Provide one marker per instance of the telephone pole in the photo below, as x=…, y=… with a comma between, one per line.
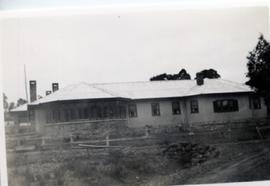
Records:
x=25, y=84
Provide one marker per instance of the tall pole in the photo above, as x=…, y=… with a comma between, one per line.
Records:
x=25, y=84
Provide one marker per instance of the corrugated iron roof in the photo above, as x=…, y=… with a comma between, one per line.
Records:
x=20, y=108
x=143, y=90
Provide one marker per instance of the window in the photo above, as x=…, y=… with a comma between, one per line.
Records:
x=111, y=111
x=105, y=112
x=31, y=115
x=155, y=109
x=85, y=113
x=132, y=110
x=225, y=105
x=254, y=102
x=67, y=115
x=122, y=109
x=49, y=116
x=81, y=113
x=194, y=106
x=176, y=107
x=56, y=115
x=72, y=114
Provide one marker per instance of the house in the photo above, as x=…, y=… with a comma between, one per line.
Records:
x=20, y=115
x=186, y=103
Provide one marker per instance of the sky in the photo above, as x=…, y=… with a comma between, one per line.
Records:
x=29, y=4
x=122, y=44
x=33, y=4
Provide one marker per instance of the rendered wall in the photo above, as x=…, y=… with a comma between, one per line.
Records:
x=20, y=117
x=144, y=117
x=144, y=114
x=207, y=115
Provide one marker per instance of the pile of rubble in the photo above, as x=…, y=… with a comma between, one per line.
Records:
x=190, y=154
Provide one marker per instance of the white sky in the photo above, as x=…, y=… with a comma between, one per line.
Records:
x=127, y=44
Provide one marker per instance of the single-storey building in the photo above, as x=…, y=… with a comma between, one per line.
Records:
x=20, y=115
x=185, y=103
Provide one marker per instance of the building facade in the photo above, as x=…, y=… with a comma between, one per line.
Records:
x=20, y=115
x=181, y=103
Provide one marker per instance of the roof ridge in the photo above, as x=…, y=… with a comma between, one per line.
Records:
x=105, y=90
x=228, y=82
x=128, y=82
x=143, y=89
x=234, y=84
x=22, y=107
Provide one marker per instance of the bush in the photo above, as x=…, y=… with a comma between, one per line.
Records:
x=188, y=154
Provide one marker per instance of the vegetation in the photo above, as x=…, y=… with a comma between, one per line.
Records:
x=20, y=102
x=259, y=70
x=208, y=73
x=11, y=105
x=182, y=75
x=5, y=102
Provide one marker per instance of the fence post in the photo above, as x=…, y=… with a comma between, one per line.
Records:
x=18, y=142
x=147, y=130
x=42, y=140
x=71, y=138
x=107, y=141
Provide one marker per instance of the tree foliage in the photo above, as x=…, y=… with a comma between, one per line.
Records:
x=5, y=102
x=20, y=102
x=182, y=75
x=11, y=106
x=259, y=69
x=208, y=73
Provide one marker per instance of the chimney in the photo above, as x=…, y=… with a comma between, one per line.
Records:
x=33, y=90
x=199, y=79
x=48, y=92
x=55, y=87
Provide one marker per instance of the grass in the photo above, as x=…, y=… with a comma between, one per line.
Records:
x=141, y=165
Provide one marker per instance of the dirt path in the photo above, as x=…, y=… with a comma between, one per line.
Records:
x=251, y=168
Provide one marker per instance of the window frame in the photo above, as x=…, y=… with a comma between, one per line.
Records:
x=67, y=115
x=86, y=114
x=135, y=111
x=175, y=109
x=219, y=107
x=155, y=106
x=49, y=116
x=31, y=115
x=56, y=116
x=194, y=108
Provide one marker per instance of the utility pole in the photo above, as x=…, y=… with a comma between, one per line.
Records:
x=25, y=84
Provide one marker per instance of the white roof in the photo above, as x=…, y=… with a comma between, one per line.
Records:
x=20, y=108
x=143, y=90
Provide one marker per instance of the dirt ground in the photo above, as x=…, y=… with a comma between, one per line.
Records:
x=239, y=162
x=145, y=165
x=253, y=166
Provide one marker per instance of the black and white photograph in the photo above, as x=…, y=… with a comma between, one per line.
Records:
x=119, y=93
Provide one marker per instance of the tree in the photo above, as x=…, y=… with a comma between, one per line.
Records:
x=208, y=73
x=180, y=76
x=183, y=74
x=259, y=70
x=159, y=77
x=5, y=102
x=20, y=102
x=11, y=106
